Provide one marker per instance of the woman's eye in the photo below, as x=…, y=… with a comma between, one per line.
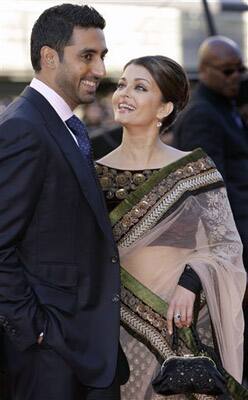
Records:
x=141, y=88
x=120, y=85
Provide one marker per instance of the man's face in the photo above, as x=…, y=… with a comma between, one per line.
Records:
x=223, y=74
x=78, y=74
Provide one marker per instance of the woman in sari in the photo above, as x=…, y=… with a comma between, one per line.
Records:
x=180, y=252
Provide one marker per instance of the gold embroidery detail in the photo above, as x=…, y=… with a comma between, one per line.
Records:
x=144, y=311
x=121, y=194
x=122, y=179
x=116, y=183
x=106, y=182
x=138, y=178
x=148, y=332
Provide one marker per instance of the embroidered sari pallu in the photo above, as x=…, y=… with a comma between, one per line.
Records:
x=179, y=216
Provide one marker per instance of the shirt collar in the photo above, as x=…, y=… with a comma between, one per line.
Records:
x=56, y=101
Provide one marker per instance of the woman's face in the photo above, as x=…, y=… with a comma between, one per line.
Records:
x=137, y=100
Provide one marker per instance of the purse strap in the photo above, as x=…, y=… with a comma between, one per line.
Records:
x=175, y=339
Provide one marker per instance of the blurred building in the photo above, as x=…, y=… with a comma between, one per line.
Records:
x=171, y=27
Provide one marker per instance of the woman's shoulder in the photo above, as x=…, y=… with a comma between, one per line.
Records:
x=174, y=155
x=109, y=159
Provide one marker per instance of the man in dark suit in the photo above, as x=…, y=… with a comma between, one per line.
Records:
x=59, y=268
x=211, y=121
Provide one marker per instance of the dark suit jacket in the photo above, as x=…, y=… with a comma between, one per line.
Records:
x=208, y=122
x=59, y=268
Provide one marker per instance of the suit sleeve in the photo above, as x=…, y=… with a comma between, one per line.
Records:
x=22, y=161
x=197, y=127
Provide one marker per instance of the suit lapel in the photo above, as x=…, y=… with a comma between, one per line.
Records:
x=78, y=163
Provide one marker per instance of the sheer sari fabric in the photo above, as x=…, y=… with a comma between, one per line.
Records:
x=202, y=233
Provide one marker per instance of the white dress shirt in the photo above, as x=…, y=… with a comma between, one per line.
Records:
x=57, y=102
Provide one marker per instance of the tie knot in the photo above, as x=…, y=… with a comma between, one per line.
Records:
x=76, y=125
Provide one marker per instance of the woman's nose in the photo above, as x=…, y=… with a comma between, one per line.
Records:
x=126, y=91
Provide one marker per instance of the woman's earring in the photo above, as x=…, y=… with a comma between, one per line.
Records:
x=159, y=124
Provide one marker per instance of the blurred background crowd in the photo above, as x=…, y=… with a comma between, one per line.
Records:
x=174, y=28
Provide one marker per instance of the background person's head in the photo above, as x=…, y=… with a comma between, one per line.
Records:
x=167, y=85
x=221, y=65
x=67, y=51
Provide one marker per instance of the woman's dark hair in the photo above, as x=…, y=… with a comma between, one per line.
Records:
x=171, y=80
x=55, y=25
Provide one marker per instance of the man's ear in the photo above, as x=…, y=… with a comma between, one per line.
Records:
x=165, y=110
x=48, y=57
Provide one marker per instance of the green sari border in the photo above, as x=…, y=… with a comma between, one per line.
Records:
x=155, y=302
x=133, y=198
x=143, y=293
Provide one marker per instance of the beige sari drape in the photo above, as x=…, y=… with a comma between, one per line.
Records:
x=181, y=215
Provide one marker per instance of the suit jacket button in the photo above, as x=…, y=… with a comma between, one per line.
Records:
x=116, y=298
x=114, y=259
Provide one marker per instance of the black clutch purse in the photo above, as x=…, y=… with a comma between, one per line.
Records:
x=190, y=374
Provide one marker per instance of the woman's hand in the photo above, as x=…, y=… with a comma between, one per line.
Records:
x=180, y=308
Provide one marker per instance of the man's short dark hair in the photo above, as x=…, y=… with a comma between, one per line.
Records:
x=55, y=25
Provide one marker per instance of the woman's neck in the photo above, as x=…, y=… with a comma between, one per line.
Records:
x=141, y=151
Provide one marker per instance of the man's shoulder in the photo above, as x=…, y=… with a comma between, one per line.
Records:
x=21, y=119
x=200, y=101
x=196, y=112
x=20, y=112
x=200, y=108
x=200, y=116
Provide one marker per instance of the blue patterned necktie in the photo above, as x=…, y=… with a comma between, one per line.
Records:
x=78, y=128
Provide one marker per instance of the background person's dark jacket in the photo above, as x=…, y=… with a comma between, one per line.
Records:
x=209, y=122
